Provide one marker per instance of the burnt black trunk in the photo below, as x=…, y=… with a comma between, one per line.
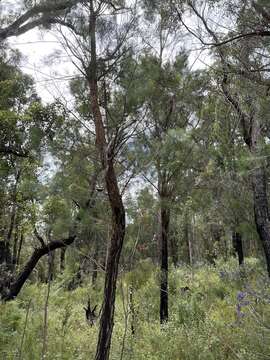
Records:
x=15, y=249
x=164, y=230
x=16, y=285
x=238, y=246
x=132, y=311
x=5, y=254
x=19, y=249
x=261, y=211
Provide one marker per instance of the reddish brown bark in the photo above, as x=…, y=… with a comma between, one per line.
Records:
x=116, y=204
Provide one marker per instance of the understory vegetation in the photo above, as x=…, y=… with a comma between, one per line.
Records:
x=224, y=314
x=134, y=179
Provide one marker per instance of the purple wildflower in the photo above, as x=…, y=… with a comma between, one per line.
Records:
x=241, y=295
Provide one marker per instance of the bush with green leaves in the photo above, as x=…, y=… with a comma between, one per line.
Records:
x=224, y=314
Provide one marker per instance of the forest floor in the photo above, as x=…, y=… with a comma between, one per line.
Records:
x=224, y=314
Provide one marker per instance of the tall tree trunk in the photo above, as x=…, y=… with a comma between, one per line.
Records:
x=52, y=265
x=15, y=248
x=251, y=130
x=12, y=220
x=20, y=248
x=116, y=204
x=261, y=211
x=164, y=231
x=116, y=243
x=188, y=240
x=238, y=246
x=259, y=186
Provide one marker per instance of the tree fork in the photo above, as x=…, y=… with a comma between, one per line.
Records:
x=116, y=204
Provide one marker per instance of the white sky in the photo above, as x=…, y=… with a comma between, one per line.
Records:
x=36, y=46
x=52, y=81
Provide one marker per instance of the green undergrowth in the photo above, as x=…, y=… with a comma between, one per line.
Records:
x=224, y=314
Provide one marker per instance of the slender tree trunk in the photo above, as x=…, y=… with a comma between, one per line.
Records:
x=9, y=261
x=95, y=265
x=238, y=246
x=164, y=231
x=9, y=236
x=94, y=275
x=251, y=130
x=132, y=310
x=62, y=260
x=116, y=204
x=188, y=241
x=46, y=308
x=20, y=249
x=52, y=265
x=15, y=248
x=259, y=185
x=174, y=250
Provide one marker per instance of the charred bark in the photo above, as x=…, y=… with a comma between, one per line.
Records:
x=16, y=286
x=261, y=211
x=164, y=231
x=20, y=249
x=251, y=129
x=5, y=254
x=132, y=311
x=251, y=132
x=238, y=246
x=62, y=259
x=15, y=248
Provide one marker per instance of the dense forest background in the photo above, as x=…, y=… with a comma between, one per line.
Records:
x=134, y=219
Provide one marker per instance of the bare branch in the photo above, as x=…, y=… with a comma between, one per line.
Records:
x=28, y=20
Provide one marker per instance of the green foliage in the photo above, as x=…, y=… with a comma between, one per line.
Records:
x=203, y=320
